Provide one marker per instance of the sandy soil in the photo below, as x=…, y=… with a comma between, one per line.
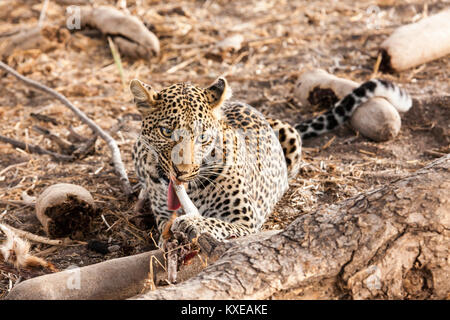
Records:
x=281, y=39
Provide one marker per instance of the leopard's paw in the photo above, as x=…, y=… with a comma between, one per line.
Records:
x=188, y=225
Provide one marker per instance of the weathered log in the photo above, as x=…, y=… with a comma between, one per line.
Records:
x=122, y=277
x=417, y=43
x=113, y=279
x=392, y=242
x=376, y=119
x=128, y=32
x=389, y=243
x=64, y=209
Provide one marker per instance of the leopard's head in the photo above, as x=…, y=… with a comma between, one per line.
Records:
x=181, y=124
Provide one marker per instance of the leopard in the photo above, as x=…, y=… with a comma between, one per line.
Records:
x=235, y=163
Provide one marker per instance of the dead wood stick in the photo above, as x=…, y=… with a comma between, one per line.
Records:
x=76, y=137
x=122, y=277
x=389, y=243
x=377, y=118
x=63, y=145
x=44, y=118
x=29, y=200
x=42, y=14
x=35, y=238
x=16, y=203
x=36, y=149
x=113, y=279
x=115, y=151
x=433, y=153
x=417, y=43
x=86, y=148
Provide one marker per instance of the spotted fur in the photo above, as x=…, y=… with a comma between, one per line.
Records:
x=236, y=162
x=235, y=178
x=343, y=109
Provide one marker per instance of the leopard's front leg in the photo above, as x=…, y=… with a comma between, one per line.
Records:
x=193, y=226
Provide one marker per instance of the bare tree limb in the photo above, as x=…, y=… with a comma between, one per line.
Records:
x=36, y=149
x=125, y=277
x=64, y=146
x=389, y=243
x=115, y=151
x=35, y=238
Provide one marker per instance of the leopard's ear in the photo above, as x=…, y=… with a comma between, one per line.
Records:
x=144, y=96
x=218, y=92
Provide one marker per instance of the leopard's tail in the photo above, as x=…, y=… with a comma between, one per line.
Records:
x=344, y=108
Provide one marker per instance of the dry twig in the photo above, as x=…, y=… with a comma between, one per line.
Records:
x=35, y=149
x=63, y=145
x=35, y=238
x=115, y=151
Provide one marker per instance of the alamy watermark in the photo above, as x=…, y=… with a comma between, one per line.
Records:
x=73, y=281
x=228, y=147
x=73, y=21
x=373, y=21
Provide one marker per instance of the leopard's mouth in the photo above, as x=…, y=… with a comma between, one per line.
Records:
x=184, y=177
x=173, y=203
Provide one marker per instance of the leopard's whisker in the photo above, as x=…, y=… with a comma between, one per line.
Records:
x=214, y=183
x=222, y=175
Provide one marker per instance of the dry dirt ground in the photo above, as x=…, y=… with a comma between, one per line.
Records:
x=281, y=39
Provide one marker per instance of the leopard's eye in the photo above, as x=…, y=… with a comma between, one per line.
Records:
x=203, y=138
x=166, y=132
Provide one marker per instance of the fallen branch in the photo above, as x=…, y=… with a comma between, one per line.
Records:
x=36, y=149
x=86, y=148
x=44, y=118
x=76, y=137
x=64, y=146
x=35, y=238
x=123, y=277
x=417, y=43
x=115, y=151
x=376, y=119
x=389, y=243
x=42, y=14
x=392, y=242
x=64, y=209
x=71, y=151
x=128, y=32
